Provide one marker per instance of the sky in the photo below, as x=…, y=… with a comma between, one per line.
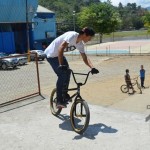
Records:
x=143, y=3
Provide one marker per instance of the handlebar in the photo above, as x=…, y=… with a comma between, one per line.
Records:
x=136, y=78
x=80, y=84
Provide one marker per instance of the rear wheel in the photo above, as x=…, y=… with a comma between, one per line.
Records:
x=139, y=87
x=14, y=67
x=32, y=58
x=79, y=116
x=53, y=102
x=4, y=66
x=124, y=88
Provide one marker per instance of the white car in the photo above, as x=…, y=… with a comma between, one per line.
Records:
x=6, y=63
x=22, y=59
x=40, y=54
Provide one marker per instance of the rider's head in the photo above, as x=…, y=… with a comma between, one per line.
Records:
x=127, y=70
x=87, y=34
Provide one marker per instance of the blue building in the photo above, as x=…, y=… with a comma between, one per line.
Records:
x=25, y=25
x=44, y=27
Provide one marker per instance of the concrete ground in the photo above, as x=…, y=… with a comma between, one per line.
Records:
x=123, y=125
x=29, y=125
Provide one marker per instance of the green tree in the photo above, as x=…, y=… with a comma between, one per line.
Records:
x=102, y=17
x=146, y=20
x=131, y=16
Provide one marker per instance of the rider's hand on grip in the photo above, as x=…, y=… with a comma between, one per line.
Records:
x=94, y=71
x=63, y=67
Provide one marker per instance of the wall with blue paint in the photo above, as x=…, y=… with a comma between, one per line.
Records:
x=7, y=43
x=15, y=10
x=44, y=28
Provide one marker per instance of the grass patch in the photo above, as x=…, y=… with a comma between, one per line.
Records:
x=139, y=34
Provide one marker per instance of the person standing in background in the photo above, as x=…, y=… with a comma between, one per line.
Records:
x=142, y=76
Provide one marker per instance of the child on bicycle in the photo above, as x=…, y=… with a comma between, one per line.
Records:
x=68, y=41
x=128, y=81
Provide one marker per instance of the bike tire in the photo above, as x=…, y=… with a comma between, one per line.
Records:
x=53, y=101
x=139, y=87
x=124, y=88
x=78, y=128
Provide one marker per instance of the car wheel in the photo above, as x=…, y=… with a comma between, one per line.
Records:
x=14, y=67
x=4, y=66
x=32, y=58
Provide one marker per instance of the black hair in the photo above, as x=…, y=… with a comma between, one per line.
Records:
x=127, y=70
x=88, y=31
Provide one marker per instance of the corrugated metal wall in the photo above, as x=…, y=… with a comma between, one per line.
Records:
x=15, y=10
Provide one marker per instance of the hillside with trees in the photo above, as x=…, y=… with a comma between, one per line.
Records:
x=78, y=13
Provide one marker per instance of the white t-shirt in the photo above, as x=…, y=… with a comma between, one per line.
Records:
x=71, y=38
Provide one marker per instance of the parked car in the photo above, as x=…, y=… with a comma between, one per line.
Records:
x=22, y=60
x=40, y=55
x=7, y=62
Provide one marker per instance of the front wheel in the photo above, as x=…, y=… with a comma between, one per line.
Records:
x=79, y=116
x=124, y=88
x=53, y=102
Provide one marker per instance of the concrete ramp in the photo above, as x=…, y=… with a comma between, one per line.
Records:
x=33, y=127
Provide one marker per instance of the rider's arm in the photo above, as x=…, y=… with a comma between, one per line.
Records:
x=86, y=60
x=61, y=51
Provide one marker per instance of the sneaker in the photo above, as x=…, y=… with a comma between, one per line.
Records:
x=61, y=105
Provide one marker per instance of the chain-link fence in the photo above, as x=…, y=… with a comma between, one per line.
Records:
x=19, y=78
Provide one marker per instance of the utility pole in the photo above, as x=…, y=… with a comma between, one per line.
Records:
x=27, y=28
x=74, y=13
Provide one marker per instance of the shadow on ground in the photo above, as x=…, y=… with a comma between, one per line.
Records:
x=92, y=131
x=21, y=103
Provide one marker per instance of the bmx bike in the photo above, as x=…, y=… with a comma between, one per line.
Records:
x=79, y=113
x=125, y=89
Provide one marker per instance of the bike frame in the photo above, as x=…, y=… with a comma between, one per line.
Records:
x=79, y=84
x=135, y=81
x=79, y=107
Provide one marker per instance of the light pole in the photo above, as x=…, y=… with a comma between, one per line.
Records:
x=74, y=13
x=27, y=28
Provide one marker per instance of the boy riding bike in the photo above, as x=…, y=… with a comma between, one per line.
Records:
x=55, y=56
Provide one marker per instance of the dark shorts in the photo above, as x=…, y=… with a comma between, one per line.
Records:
x=129, y=84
